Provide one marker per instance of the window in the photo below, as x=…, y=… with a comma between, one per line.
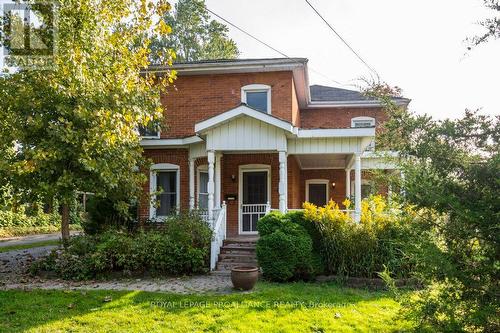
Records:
x=317, y=191
x=150, y=131
x=164, y=184
x=203, y=188
x=363, y=122
x=366, y=188
x=257, y=96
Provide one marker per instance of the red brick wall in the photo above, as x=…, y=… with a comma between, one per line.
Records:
x=196, y=98
x=174, y=156
x=294, y=196
x=230, y=166
x=338, y=117
x=336, y=176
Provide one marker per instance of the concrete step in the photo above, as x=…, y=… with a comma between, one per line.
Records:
x=238, y=247
x=240, y=242
x=237, y=257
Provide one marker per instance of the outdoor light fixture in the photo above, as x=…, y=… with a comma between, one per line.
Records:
x=333, y=185
x=233, y=178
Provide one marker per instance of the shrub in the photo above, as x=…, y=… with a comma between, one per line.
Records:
x=181, y=247
x=361, y=249
x=103, y=214
x=284, y=249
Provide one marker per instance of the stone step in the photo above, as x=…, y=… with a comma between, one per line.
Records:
x=238, y=247
x=244, y=260
x=237, y=257
x=239, y=242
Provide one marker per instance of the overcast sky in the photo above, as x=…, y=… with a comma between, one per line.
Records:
x=416, y=45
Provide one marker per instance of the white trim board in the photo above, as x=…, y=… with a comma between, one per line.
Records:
x=152, y=186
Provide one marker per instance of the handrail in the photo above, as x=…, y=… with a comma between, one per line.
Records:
x=219, y=234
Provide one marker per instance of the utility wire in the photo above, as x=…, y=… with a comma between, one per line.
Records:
x=342, y=39
x=269, y=46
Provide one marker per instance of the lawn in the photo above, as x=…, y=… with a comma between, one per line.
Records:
x=298, y=307
x=28, y=246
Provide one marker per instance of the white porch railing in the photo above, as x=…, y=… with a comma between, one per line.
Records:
x=219, y=234
x=254, y=210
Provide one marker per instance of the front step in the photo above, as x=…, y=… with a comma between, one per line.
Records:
x=236, y=252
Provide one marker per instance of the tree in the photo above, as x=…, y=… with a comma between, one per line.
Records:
x=194, y=36
x=490, y=25
x=452, y=178
x=74, y=127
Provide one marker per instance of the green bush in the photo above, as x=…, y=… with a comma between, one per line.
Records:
x=181, y=247
x=102, y=215
x=284, y=249
x=362, y=249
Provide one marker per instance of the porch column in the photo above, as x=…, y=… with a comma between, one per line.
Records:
x=217, y=179
x=347, y=183
x=357, y=187
x=211, y=160
x=191, y=183
x=282, y=188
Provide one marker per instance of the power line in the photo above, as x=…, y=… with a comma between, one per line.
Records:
x=269, y=46
x=342, y=39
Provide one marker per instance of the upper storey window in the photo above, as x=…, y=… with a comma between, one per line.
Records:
x=363, y=122
x=257, y=96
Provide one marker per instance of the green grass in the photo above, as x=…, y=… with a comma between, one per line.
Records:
x=28, y=246
x=298, y=307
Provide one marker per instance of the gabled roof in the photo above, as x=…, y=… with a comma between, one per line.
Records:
x=242, y=110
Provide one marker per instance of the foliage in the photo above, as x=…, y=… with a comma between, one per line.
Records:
x=293, y=307
x=181, y=247
x=73, y=127
x=451, y=170
x=284, y=249
x=361, y=250
x=28, y=246
x=102, y=214
x=490, y=25
x=194, y=36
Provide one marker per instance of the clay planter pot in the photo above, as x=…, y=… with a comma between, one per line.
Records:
x=244, y=277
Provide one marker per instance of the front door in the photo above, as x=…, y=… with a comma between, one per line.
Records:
x=254, y=198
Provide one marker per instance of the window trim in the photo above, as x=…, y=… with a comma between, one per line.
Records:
x=199, y=169
x=257, y=88
x=364, y=181
x=157, y=136
x=364, y=119
x=318, y=181
x=152, y=187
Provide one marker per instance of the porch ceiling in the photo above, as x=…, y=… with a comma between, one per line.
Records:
x=322, y=161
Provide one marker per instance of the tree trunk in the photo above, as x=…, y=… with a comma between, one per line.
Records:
x=65, y=222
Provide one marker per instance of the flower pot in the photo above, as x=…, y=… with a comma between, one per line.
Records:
x=244, y=277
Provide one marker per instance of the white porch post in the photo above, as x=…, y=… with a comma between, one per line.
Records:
x=357, y=187
x=282, y=190
x=191, y=183
x=211, y=160
x=347, y=183
x=218, y=157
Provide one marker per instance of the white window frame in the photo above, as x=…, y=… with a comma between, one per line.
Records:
x=152, y=187
x=318, y=181
x=199, y=169
x=363, y=182
x=250, y=168
x=362, y=119
x=257, y=88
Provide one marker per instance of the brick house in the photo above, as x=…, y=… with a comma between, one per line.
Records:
x=249, y=135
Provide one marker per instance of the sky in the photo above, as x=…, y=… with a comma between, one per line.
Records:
x=415, y=45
